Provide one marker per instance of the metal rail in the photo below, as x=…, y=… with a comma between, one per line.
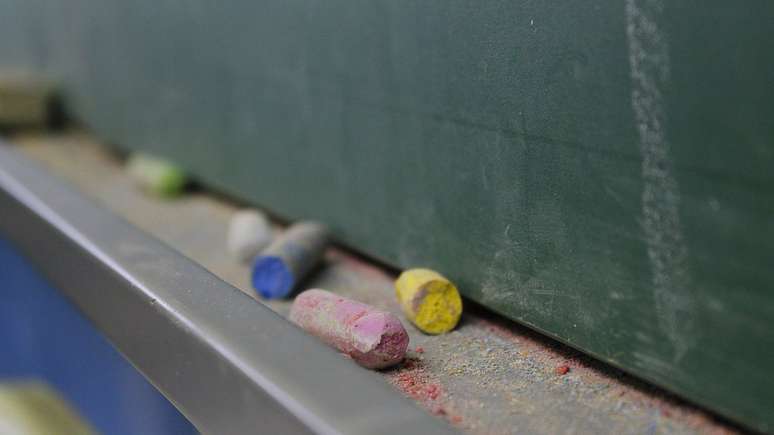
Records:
x=231, y=365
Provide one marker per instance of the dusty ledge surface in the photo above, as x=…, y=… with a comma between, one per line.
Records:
x=489, y=376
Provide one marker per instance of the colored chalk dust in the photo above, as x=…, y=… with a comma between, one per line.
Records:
x=271, y=278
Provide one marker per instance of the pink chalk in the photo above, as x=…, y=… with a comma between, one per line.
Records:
x=373, y=338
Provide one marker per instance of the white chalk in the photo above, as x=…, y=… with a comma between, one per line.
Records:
x=248, y=234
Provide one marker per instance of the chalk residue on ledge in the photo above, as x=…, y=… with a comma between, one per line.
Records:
x=650, y=71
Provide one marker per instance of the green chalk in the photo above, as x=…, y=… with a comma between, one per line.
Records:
x=157, y=176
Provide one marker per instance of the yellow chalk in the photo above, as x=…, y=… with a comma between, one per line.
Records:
x=34, y=408
x=429, y=301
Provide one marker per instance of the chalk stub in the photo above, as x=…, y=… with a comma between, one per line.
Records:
x=157, y=176
x=35, y=408
x=288, y=259
x=249, y=232
x=26, y=100
x=373, y=338
x=429, y=301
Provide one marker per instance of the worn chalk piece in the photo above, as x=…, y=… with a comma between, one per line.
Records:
x=35, y=408
x=373, y=338
x=26, y=100
x=288, y=259
x=249, y=232
x=157, y=176
x=429, y=301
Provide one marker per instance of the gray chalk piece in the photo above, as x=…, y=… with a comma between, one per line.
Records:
x=291, y=256
x=25, y=100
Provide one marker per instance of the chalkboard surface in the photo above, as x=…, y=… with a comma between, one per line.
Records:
x=601, y=171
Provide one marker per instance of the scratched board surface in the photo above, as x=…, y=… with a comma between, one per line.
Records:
x=600, y=171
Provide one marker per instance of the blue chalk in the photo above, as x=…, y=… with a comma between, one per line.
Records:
x=289, y=259
x=271, y=277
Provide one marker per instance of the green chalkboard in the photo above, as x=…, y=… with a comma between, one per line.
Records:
x=601, y=171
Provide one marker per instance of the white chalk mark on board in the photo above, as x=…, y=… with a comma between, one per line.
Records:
x=649, y=65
